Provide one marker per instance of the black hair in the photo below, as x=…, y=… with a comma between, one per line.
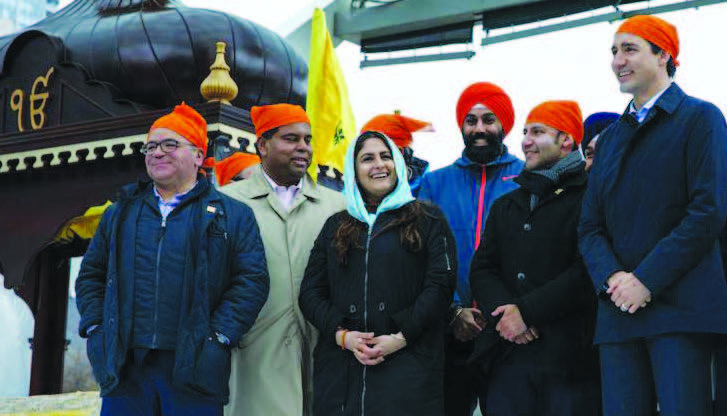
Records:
x=671, y=69
x=265, y=136
x=269, y=134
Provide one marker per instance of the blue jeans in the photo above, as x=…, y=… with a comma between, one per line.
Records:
x=146, y=389
x=673, y=369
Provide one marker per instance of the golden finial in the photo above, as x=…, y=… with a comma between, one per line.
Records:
x=219, y=86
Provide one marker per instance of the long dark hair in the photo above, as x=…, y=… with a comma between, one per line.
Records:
x=407, y=218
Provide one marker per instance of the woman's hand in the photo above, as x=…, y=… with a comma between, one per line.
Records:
x=388, y=344
x=358, y=343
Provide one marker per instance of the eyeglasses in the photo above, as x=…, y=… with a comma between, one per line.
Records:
x=167, y=146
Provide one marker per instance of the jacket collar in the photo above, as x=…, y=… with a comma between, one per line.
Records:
x=668, y=102
x=545, y=188
x=260, y=187
x=505, y=159
x=145, y=189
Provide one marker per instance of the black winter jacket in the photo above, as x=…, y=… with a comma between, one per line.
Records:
x=384, y=289
x=531, y=259
x=224, y=286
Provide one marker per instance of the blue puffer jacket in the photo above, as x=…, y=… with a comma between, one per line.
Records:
x=456, y=190
x=224, y=285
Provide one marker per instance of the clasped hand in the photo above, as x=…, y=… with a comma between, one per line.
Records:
x=627, y=292
x=368, y=349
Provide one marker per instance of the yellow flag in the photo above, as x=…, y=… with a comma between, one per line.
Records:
x=331, y=117
x=83, y=226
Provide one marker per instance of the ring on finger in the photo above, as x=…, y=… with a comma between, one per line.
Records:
x=624, y=308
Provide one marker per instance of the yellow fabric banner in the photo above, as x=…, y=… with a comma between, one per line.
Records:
x=83, y=226
x=328, y=108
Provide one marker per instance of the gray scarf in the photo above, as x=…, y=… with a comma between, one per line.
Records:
x=573, y=161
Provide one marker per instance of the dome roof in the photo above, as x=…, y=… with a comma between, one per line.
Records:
x=158, y=52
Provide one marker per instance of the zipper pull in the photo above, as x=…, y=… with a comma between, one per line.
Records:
x=164, y=222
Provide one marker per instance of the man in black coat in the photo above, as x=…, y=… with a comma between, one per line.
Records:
x=529, y=277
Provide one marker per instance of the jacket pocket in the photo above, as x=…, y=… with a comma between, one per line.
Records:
x=97, y=358
x=212, y=368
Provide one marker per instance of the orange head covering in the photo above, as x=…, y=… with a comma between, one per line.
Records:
x=397, y=127
x=492, y=97
x=268, y=117
x=227, y=168
x=657, y=31
x=561, y=115
x=186, y=122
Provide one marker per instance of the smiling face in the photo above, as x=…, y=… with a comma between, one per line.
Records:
x=639, y=71
x=287, y=154
x=543, y=146
x=375, y=170
x=176, y=170
x=483, y=135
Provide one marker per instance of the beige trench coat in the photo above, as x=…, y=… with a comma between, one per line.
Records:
x=272, y=371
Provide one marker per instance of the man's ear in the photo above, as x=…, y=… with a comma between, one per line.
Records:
x=199, y=157
x=566, y=145
x=663, y=58
x=261, y=147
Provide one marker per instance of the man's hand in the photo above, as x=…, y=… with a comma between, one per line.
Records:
x=627, y=292
x=511, y=324
x=468, y=324
x=526, y=337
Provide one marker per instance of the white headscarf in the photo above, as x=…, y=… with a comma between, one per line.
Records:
x=400, y=196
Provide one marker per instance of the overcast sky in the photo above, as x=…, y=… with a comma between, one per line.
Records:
x=572, y=64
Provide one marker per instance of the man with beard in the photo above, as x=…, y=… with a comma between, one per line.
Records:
x=272, y=371
x=464, y=191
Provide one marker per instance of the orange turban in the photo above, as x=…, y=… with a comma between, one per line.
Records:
x=657, y=31
x=268, y=117
x=492, y=97
x=227, y=168
x=186, y=122
x=561, y=115
x=397, y=127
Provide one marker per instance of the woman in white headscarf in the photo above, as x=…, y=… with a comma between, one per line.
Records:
x=378, y=285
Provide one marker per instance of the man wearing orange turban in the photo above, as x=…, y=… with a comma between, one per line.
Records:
x=235, y=167
x=399, y=129
x=162, y=296
x=272, y=372
x=654, y=208
x=539, y=295
x=563, y=117
x=465, y=191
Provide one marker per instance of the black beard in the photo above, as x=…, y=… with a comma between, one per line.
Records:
x=484, y=154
